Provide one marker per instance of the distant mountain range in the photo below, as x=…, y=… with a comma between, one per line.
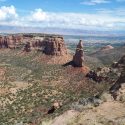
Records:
x=63, y=31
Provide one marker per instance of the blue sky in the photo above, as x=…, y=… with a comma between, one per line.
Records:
x=77, y=14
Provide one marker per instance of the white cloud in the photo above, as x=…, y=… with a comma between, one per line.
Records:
x=38, y=15
x=7, y=13
x=102, y=19
x=79, y=20
x=94, y=2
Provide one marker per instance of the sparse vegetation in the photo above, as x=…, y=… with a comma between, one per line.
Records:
x=32, y=87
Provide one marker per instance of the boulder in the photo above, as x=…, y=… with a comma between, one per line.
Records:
x=78, y=58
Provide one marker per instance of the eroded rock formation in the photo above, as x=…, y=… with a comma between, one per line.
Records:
x=78, y=58
x=9, y=41
x=49, y=44
x=54, y=46
x=27, y=47
x=3, y=42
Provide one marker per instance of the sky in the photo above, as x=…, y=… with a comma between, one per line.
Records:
x=67, y=14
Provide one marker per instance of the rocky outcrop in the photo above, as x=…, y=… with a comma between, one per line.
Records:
x=78, y=58
x=9, y=41
x=121, y=62
x=87, y=102
x=27, y=47
x=121, y=79
x=54, y=46
x=118, y=83
x=3, y=42
x=49, y=44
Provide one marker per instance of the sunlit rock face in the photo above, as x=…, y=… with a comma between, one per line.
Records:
x=48, y=44
x=51, y=45
x=78, y=58
x=55, y=46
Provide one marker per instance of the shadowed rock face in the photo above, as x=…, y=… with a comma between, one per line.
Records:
x=121, y=62
x=3, y=42
x=27, y=47
x=121, y=79
x=78, y=58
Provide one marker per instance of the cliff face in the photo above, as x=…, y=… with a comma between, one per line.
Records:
x=78, y=58
x=3, y=42
x=54, y=46
x=10, y=41
x=50, y=45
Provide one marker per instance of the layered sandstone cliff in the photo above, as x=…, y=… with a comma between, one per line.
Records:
x=54, y=46
x=48, y=44
x=10, y=41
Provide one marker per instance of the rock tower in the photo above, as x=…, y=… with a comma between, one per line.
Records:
x=78, y=58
